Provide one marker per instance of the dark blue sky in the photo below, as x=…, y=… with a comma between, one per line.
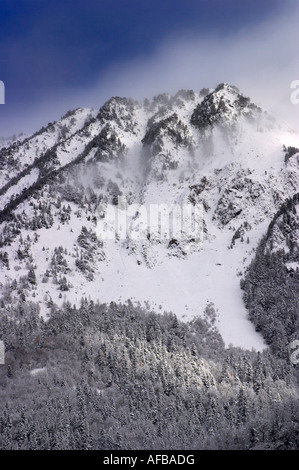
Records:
x=49, y=48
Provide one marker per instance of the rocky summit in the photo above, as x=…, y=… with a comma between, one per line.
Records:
x=76, y=200
x=149, y=288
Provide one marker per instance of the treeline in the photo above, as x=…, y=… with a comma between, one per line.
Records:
x=271, y=284
x=122, y=377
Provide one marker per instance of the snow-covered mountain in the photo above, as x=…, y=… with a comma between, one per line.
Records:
x=214, y=152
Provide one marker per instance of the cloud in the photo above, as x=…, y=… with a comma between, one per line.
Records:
x=262, y=61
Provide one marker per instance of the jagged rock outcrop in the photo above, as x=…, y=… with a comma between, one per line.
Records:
x=214, y=153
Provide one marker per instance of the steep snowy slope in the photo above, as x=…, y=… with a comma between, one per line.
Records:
x=68, y=193
x=270, y=285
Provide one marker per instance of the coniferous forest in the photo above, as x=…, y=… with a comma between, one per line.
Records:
x=110, y=376
x=122, y=377
x=149, y=230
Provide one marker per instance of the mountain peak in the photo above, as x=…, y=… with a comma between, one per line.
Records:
x=224, y=106
x=170, y=151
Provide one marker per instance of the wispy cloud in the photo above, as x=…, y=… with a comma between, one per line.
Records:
x=262, y=61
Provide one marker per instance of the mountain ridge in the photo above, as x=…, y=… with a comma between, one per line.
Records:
x=214, y=150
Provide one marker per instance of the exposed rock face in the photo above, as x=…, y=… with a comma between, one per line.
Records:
x=223, y=105
x=214, y=150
